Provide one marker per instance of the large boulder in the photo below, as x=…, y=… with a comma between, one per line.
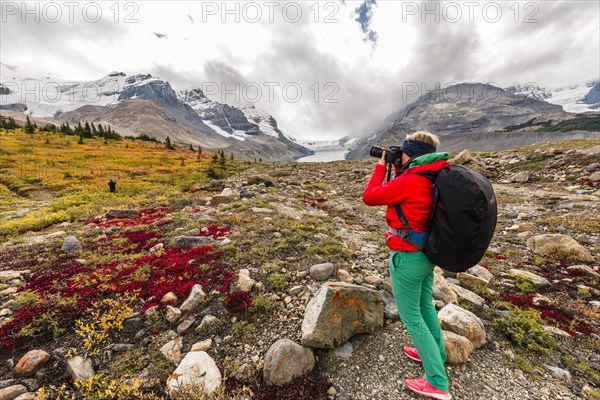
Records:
x=339, y=311
x=286, y=361
x=458, y=348
x=31, y=362
x=197, y=369
x=442, y=290
x=557, y=244
x=462, y=322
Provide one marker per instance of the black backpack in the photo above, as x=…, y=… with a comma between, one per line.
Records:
x=462, y=223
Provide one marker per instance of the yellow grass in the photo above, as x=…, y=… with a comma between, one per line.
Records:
x=46, y=183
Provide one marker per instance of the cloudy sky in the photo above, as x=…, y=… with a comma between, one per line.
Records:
x=323, y=69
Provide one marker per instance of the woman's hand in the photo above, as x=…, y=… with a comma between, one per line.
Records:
x=382, y=159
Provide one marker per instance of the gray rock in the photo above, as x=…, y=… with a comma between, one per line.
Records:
x=321, y=272
x=172, y=314
x=80, y=368
x=197, y=369
x=27, y=396
x=123, y=214
x=521, y=177
x=481, y=272
x=172, y=350
x=470, y=281
x=565, y=245
x=186, y=242
x=467, y=295
x=296, y=290
x=12, y=392
x=202, y=346
x=186, y=324
x=559, y=373
x=245, y=282
x=585, y=269
x=462, y=322
x=390, y=310
x=339, y=311
x=71, y=245
x=207, y=322
x=220, y=199
x=132, y=325
x=122, y=347
x=286, y=361
x=442, y=290
x=462, y=158
x=258, y=179
x=530, y=277
x=246, y=194
x=194, y=299
x=344, y=351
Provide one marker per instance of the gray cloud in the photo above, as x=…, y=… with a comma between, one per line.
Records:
x=441, y=52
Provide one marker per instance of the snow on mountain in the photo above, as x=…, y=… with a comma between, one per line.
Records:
x=230, y=121
x=49, y=97
x=578, y=98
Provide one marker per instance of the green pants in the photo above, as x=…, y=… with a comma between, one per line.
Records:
x=412, y=284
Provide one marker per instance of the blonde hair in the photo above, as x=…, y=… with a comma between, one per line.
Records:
x=425, y=137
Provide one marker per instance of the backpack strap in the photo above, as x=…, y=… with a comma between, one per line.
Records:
x=415, y=239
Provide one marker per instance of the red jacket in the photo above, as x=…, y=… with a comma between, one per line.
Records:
x=412, y=191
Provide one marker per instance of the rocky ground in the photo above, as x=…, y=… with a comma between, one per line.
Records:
x=261, y=244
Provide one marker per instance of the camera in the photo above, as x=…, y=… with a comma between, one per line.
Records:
x=392, y=155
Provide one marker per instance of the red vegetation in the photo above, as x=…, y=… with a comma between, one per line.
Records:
x=238, y=302
x=66, y=288
x=214, y=231
x=314, y=202
x=313, y=386
x=148, y=217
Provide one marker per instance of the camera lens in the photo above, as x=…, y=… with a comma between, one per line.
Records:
x=376, y=151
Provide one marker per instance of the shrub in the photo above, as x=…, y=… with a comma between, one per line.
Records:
x=525, y=329
x=277, y=281
x=237, y=302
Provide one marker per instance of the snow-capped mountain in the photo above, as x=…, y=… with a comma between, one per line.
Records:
x=229, y=121
x=142, y=103
x=579, y=97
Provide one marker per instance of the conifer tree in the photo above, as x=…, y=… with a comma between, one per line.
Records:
x=199, y=153
x=168, y=143
x=80, y=139
x=28, y=126
x=191, y=147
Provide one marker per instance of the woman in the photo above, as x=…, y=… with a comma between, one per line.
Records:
x=411, y=271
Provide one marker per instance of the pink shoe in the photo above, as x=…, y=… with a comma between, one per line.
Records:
x=411, y=352
x=421, y=387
